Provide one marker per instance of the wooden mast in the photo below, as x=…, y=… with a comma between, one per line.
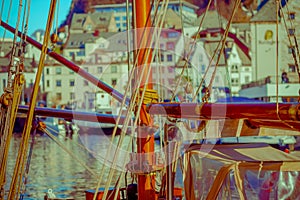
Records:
x=145, y=144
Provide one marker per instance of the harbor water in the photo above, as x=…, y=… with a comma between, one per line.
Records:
x=51, y=167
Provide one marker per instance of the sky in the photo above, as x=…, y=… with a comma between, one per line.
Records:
x=38, y=14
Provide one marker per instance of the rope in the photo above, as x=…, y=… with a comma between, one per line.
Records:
x=20, y=162
x=277, y=53
x=14, y=44
x=25, y=27
x=11, y=100
x=189, y=54
x=150, y=96
x=28, y=163
x=61, y=145
x=9, y=124
x=295, y=39
x=130, y=109
x=1, y=13
x=223, y=41
x=73, y=141
x=8, y=16
x=279, y=7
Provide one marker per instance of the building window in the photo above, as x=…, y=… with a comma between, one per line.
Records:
x=162, y=58
x=81, y=53
x=170, y=46
x=173, y=34
x=114, y=69
x=100, y=70
x=171, y=70
x=47, y=71
x=169, y=58
x=58, y=96
x=47, y=83
x=235, y=81
x=98, y=59
x=201, y=57
x=292, y=68
x=72, y=83
x=291, y=49
x=234, y=68
x=72, y=54
x=71, y=72
x=58, y=83
x=247, y=79
x=85, y=83
x=72, y=95
x=113, y=82
x=291, y=31
x=203, y=68
x=291, y=15
x=58, y=70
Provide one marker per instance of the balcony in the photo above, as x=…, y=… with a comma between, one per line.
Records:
x=266, y=89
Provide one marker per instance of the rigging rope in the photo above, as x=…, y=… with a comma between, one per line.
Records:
x=68, y=151
x=1, y=13
x=294, y=37
x=131, y=107
x=189, y=53
x=23, y=187
x=220, y=53
x=279, y=10
x=8, y=16
x=20, y=162
x=10, y=99
x=237, y=3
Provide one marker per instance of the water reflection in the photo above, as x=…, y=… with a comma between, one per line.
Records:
x=51, y=167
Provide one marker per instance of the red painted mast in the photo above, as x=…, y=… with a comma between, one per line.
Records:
x=145, y=144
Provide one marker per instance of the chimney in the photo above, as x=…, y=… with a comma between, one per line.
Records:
x=38, y=36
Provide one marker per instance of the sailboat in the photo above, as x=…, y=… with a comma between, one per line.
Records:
x=209, y=171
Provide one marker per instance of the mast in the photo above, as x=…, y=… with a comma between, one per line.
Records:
x=145, y=144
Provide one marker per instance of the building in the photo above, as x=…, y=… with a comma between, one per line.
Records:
x=264, y=44
x=29, y=74
x=29, y=67
x=269, y=65
x=93, y=23
x=58, y=84
x=234, y=64
x=187, y=9
x=74, y=49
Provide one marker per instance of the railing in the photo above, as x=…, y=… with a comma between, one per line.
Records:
x=293, y=78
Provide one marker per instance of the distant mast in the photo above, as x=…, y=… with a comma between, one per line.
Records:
x=142, y=10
